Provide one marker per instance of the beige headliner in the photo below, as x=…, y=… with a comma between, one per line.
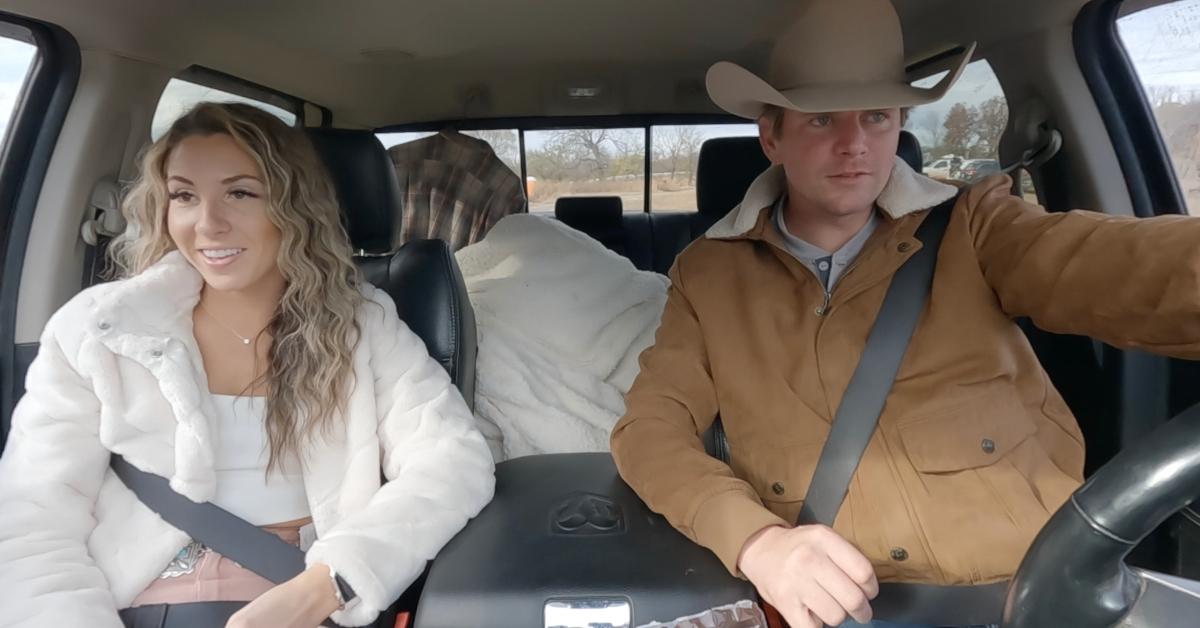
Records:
x=490, y=58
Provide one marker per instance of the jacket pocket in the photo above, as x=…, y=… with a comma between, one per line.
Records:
x=973, y=434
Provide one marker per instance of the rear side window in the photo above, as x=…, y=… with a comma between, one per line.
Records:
x=1163, y=43
x=586, y=162
x=181, y=95
x=960, y=134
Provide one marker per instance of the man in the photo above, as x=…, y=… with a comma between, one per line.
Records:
x=768, y=315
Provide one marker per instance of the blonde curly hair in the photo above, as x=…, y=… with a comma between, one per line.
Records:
x=309, y=373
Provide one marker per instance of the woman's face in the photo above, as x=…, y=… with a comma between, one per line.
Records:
x=217, y=214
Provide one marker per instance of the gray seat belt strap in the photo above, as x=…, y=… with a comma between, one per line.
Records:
x=855, y=422
x=863, y=401
x=235, y=538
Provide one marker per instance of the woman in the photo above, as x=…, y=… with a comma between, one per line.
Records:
x=241, y=358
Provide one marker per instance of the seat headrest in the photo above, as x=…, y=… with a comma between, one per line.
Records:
x=909, y=150
x=726, y=168
x=366, y=185
x=728, y=165
x=588, y=210
x=597, y=216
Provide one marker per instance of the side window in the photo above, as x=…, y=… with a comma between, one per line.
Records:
x=676, y=155
x=16, y=57
x=960, y=134
x=181, y=95
x=586, y=162
x=1163, y=43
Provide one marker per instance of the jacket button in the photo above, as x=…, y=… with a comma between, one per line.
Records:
x=156, y=353
x=104, y=325
x=899, y=554
x=988, y=446
x=819, y=311
x=904, y=247
x=777, y=488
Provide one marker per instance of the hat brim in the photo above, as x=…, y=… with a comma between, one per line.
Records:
x=742, y=93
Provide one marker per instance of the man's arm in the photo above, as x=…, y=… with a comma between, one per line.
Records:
x=1133, y=283
x=657, y=445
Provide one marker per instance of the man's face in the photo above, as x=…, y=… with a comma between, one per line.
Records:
x=836, y=163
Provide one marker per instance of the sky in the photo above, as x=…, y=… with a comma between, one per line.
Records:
x=15, y=59
x=1164, y=44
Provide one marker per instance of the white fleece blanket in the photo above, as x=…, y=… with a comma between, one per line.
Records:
x=561, y=323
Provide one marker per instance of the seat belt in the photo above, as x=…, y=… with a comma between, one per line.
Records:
x=855, y=422
x=235, y=538
x=865, y=395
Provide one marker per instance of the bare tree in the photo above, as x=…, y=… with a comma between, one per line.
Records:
x=676, y=145
x=587, y=147
x=629, y=152
x=990, y=123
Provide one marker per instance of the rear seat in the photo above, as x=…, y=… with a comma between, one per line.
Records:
x=421, y=276
x=727, y=166
x=603, y=218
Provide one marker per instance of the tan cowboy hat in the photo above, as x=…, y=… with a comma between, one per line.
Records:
x=838, y=55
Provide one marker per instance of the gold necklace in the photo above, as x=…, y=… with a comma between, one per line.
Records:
x=245, y=340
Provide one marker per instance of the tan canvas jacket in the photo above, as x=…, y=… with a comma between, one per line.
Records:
x=974, y=448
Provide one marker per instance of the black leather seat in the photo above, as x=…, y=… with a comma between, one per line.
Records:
x=726, y=168
x=909, y=150
x=597, y=216
x=604, y=218
x=366, y=185
x=421, y=276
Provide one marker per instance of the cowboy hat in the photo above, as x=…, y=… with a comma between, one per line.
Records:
x=838, y=55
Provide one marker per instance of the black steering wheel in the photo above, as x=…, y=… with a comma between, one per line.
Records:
x=1075, y=574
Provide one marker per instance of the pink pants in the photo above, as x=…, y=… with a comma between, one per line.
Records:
x=216, y=578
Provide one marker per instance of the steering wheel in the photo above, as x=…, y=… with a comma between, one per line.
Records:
x=1074, y=573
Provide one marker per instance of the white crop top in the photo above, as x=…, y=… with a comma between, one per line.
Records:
x=243, y=488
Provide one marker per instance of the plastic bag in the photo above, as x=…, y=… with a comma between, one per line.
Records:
x=744, y=614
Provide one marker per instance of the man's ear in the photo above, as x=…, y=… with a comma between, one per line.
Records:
x=766, y=137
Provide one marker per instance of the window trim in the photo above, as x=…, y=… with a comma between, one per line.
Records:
x=1127, y=115
x=36, y=122
x=936, y=63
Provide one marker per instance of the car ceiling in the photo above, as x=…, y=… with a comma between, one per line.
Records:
x=375, y=62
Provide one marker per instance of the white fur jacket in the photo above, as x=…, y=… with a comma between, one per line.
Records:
x=119, y=371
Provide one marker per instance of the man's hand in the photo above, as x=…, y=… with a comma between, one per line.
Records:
x=302, y=602
x=810, y=575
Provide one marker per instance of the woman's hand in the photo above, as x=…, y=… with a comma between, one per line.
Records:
x=302, y=602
